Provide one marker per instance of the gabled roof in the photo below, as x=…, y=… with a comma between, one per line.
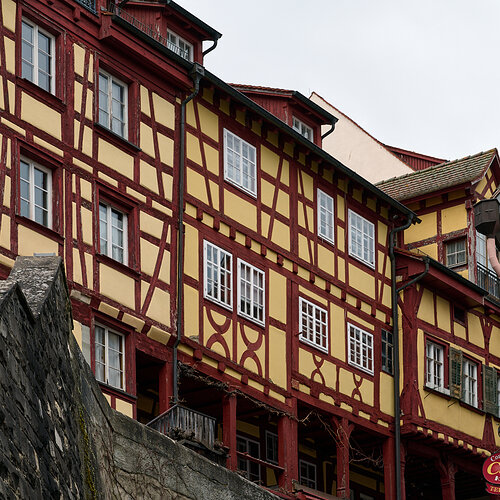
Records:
x=285, y=93
x=416, y=161
x=442, y=176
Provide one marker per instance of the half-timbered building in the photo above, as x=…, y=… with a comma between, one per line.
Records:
x=450, y=321
x=230, y=280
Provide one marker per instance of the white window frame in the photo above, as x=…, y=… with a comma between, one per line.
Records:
x=366, y=241
x=248, y=462
x=314, y=335
x=434, y=366
x=35, y=54
x=470, y=382
x=360, y=345
x=451, y=251
x=124, y=119
x=218, y=271
x=253, y=288
x=109, y=232
x=303, y=129
x=272, y=445
x=176, y=46
x=121, y=369
x=307, y=481
x=326, y=227
x=235, y=174
x=32, y=166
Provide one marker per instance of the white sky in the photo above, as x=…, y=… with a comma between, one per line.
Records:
x=417, y=74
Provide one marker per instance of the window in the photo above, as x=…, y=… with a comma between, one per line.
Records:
x=109, y=357
x=252, y=448
x=303, y=129
x=325, y=216
x=35, y=186
x=113, y=233
x=496, y=410
x=360, y=348
x=307, y=474
x=178, y=45
x=361, y=239
x=459, y=314
x=491, y=390
x=250, y=292
x=456, y=254
x=113, y=104
x=470, y=382
x=272, y=447
x=434, y=371
x=37, y=56
x=218, y=274
x=240, y=166
x=387, y=351
x=313, y=324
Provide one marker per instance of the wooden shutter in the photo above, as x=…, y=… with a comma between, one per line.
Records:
x=490, y=390
x=455, y=373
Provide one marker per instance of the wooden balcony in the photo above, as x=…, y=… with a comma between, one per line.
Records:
x=488, y=280
x=184, y=424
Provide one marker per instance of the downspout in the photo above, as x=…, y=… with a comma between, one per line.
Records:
x=197, y=72
x=395, y=340
x=205, y=52
x=332, y=128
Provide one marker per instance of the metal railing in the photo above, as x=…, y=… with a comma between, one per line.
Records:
x=88, y=4
x=180, y=52
x=184, y=423
x=151, y=31
x=488, y=280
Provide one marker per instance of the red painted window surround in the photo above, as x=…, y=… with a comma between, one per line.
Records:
x=58, y=97
x=129, y=351
x=127, y=205
x=52, y=163
x=133, y=106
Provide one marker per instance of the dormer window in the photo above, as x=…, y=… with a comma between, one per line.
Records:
x=303, y=129
x=179, y=46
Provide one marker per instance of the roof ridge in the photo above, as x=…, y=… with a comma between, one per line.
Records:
x=432, y=168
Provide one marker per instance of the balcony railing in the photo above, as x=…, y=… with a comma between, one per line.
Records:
x=180, y=52
x=183, y=423
x=488, y=280
x=88, y=4
x=151, y=31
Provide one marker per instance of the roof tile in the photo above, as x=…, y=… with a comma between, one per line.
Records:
x=444, y=175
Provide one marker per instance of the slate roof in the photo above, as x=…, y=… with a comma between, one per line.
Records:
x=444, y=175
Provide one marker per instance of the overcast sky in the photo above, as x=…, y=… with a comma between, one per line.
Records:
x=418, y=74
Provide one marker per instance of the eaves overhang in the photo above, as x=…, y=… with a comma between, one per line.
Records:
x=317, y=109
x=214, y=34
x=269, y=117
x=247, y=102
x=440, y=277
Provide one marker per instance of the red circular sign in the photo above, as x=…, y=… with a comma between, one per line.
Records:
x=491, y=469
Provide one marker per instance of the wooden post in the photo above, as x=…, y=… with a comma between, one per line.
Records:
x=344, y=429
x=166, y=388
x=403, y=454
x=389, y=469
x=229, y=429
x=447, y=470
x=288, y=452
